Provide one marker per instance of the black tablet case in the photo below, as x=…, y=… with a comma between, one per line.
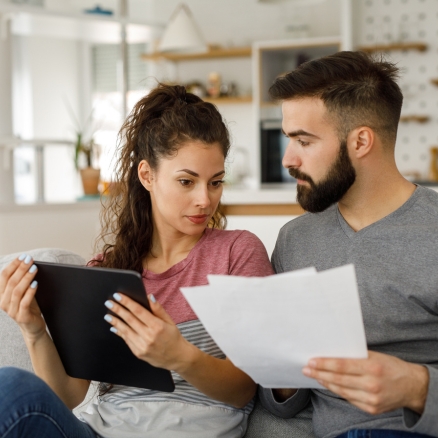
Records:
x=71, y=299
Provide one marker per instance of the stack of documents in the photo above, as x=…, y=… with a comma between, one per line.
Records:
x=271, y=326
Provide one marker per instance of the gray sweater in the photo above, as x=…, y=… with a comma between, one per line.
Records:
x=396, y=262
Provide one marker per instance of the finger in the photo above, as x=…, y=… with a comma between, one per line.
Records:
x=29, y=297
x=121, y=329
x=136, y=309
x=158, y=310
x=131, y=319
x=21, y=288
x=351, y=381
x=6, y=275
x=340, y=366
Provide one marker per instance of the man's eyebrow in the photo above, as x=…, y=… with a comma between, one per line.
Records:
x=299, y=132
x=190, y=172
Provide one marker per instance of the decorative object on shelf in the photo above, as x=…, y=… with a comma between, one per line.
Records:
x=433, y=168
x=99, y=11
x=182, y=34
x=214, y=85
x=421, y=47
x=414, y=118
x=434, y=81
x=196, y=88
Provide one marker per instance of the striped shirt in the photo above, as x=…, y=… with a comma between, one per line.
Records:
x=136, y=412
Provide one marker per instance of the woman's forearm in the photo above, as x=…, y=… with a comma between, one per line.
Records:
x=217, y=378
x=48, y=366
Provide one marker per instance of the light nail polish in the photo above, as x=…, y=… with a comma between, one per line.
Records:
x=34, y=284
x=117, y=297
x=109, y=304
x=32, y=269
x=108, y=318
x=22, y=257
x=113, y=329
x=27, y=259
x=152, y=298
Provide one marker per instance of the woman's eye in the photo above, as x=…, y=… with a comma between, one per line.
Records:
x=185, y=182
x=217, y=183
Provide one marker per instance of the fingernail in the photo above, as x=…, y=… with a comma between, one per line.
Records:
x=34, y=284
x=152, y=298
x=27, y=259
x=312, y=362
x=108, y=318
x=32, y=269
x=307, y=371
x=22, y=257
x=117, y=297
x=109, y=304
x=113, y=329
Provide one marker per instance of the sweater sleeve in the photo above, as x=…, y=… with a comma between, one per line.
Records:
x=248, y=257
x=287, y=409
x=427, y=423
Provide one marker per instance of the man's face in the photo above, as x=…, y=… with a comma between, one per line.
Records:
x=314, y=155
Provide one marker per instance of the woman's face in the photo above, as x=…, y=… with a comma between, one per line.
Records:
x=186, y=188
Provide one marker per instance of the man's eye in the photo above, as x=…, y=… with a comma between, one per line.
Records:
x=303, y=143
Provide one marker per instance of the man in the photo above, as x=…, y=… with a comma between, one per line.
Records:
x=341, y=114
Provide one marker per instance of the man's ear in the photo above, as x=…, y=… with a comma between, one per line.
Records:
x=361, y=141
x=145, y=174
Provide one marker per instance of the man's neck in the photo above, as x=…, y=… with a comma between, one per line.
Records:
x=375, y=198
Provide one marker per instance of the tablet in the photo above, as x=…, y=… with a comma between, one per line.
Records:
x=71, y=299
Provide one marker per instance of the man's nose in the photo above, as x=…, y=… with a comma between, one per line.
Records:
x=291, y=158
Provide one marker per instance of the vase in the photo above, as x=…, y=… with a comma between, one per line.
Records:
x=90, y=180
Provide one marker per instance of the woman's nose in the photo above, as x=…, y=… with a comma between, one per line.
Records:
x=202, y=197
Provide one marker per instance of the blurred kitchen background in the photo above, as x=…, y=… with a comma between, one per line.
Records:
x=70, y=71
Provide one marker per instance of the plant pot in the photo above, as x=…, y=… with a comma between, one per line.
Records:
x=90, y=180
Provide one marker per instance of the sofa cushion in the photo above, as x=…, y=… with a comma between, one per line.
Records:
x=13, y=351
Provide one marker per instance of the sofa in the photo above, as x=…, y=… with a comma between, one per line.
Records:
x=13, y=352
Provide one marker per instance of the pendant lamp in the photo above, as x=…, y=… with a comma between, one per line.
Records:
x=182, y=35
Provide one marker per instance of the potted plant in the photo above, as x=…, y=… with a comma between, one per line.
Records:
x=87, y=152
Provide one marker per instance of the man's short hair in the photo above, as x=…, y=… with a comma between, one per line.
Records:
x=356, y=89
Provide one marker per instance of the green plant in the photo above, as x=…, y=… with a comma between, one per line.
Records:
x=90, y=149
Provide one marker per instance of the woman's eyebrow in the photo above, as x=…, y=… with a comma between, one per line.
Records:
x=190, y=172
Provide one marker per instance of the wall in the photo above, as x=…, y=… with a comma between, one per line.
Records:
x=391, y=21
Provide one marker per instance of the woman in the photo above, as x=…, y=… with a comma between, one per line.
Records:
x=167, y=225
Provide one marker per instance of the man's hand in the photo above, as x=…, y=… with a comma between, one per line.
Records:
x=378, y=384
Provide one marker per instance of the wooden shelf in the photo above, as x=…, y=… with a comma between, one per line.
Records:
x=227, y=100
x=414, y=118
x=213, y=53
x=262, y=209
x=434, y=81
x=421, y=47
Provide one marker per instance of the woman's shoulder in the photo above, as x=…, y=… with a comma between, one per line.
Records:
x=233, y=236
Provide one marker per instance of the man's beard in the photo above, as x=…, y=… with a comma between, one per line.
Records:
x=339, y=179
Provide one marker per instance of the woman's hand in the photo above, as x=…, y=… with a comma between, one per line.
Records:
x=17, y=296
x=153, y=338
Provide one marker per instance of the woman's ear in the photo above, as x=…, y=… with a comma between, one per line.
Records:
x=361, y=141
x=145, y=174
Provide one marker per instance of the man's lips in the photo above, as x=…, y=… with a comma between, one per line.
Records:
x=198, y=218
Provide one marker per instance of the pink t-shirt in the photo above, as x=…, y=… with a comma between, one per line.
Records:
x=217, y=252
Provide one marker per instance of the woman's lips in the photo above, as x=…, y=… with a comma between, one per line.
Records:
x=198, y=219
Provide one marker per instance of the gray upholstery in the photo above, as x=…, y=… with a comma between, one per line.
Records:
x=13, y=352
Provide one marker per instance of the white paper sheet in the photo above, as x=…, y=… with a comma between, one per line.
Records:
x=271, y=326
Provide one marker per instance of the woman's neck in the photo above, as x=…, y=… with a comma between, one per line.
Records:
x=168, y=249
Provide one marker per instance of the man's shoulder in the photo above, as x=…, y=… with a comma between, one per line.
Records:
x=311, y=222
x=428, y=201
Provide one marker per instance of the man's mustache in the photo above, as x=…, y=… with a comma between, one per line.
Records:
x=295, y=173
